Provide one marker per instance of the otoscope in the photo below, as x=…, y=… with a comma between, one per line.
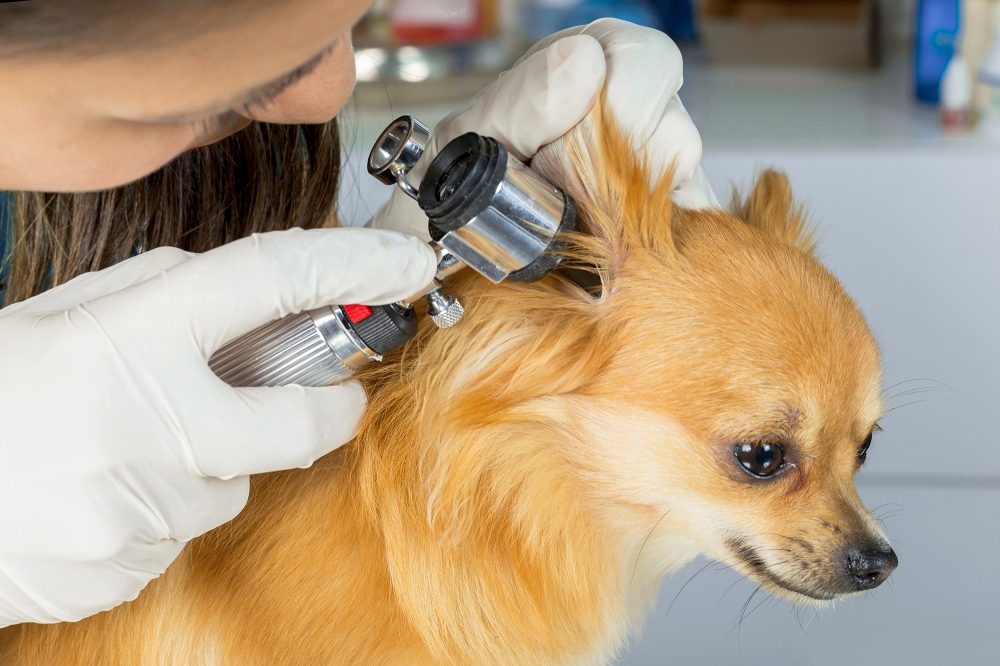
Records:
x=485, y=210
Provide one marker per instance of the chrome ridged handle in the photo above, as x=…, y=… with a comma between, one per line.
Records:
x=287, y=351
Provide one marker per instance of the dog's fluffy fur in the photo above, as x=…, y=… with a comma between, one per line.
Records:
x=521, y=482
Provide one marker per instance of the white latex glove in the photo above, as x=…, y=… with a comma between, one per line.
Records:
x=118, y=444
x=645, y=71
x=555, y=84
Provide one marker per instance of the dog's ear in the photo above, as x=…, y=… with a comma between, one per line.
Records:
x=771, y=208
x=619, y=213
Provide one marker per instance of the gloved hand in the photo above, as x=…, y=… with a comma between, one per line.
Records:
x=555, y=84
x=119, y=444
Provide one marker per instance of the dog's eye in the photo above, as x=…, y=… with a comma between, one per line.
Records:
x=762, y=459
x=863, y=451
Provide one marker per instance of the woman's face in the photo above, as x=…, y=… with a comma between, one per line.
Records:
x=72, y=125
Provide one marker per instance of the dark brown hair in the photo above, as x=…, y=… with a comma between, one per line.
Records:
x=264, y=178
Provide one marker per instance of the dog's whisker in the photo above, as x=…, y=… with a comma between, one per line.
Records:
x=739, y=624
x=885, y=504
x=910, y=381
x=916, y=391
x=743, y=611
x=918, y=379
x=770, y=595
x=688, y=582
x=912, y=389
x=729, y=589
x=893, y=511
x=798, y=610
x=907, y=404
x=635, y=565
x=889, y=514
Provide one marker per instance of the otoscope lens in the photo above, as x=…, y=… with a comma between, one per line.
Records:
x=461, y=181
x=453, y=177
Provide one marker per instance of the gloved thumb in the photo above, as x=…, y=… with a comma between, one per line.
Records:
x=264, y=429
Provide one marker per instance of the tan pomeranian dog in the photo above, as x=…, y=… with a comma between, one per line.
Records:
x=522, y=482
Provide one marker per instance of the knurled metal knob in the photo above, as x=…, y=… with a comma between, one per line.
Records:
x=444, y=309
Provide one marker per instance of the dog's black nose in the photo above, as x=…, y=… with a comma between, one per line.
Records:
x=868, y=568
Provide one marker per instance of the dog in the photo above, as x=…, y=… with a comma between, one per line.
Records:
x=522, y=482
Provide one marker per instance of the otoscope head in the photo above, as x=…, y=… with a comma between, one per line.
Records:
x=483, y=205
x=492, y=212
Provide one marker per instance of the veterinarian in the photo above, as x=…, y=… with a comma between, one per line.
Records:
x=117, y=443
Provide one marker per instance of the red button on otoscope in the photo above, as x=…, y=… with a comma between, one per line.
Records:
x=357, y=313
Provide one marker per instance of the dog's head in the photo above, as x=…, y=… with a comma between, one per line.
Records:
x=745, y=388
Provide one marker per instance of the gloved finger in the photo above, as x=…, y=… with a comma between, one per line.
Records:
x=642, y=109
x=85, y=586
x=273, y=428
x=401, y=213
x=88, y=286
x=672, y=142
x=134, y=506
x=221, y=294
x=186, y=508
x=534, y=103
x=211, y=503
x=644, y=70
x=552, y=39
x=697, y=193
x=644, y=75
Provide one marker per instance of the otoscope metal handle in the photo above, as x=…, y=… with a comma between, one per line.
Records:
x=310, y=348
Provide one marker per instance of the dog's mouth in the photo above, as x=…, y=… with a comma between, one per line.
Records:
x=758, y=567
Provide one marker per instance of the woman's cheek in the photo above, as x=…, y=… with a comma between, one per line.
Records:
x=318, y=96
x=120, y=156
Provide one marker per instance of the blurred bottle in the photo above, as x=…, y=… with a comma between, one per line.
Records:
x=977, y=36
x=989, y=75
x=956, y=95
x=426, y=22
x=676, y=18
x=937, y=28
x=543, y=17
x=633, y=11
